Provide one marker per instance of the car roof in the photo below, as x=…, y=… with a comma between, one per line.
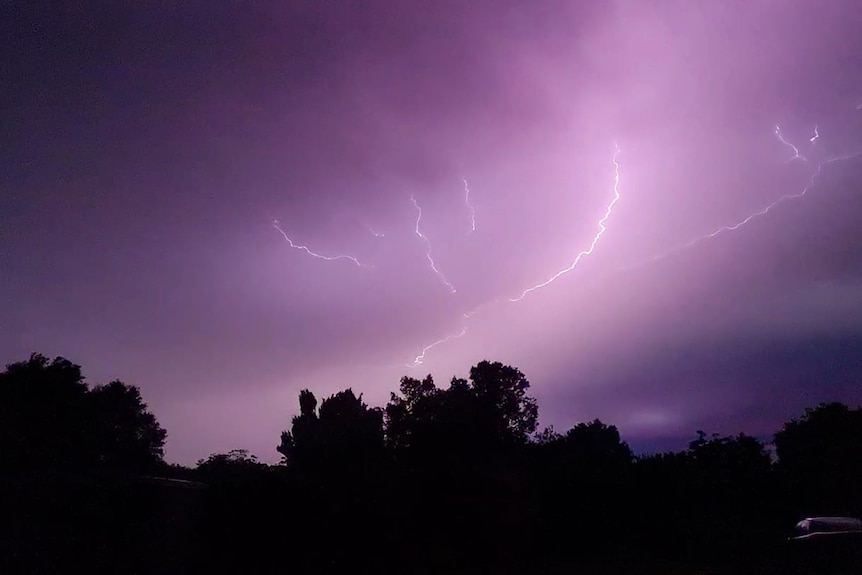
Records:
x=820, y=525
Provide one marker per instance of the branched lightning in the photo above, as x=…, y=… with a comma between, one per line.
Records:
x=762, y=212
x=780, y=136
x=428, y=247
x=419, y=359
x=470, y=206
x=596, y=238
x=277, y=226
x=602, y=228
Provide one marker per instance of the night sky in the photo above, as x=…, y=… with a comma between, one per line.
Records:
x=148, y=150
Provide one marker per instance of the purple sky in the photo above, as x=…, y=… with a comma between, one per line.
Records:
x=147, y=151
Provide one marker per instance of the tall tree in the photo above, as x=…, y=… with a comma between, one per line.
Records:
x=344, y=432
x=825, y=438
x=301, y=445
x=469, y=419
x=410, y=416
x=505, y=388
x=820, y=458
x=128, y=435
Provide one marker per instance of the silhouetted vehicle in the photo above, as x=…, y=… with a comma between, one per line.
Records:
x=822, y=526
x=827, y=546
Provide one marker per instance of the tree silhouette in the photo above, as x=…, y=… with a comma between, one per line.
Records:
x=49, y=418
x=409, y=416
x=591, y=448
x=469, y=420
x=739, y=459
x=302, y=445
x=505, y=388
x=344, y=432
x=77, y=490
x=425, y=422
x=233, y=466
x=444, y=477
x=42, y=414
x=820, y=458
x=580, y=474
x=128, y=435
x=825, y=439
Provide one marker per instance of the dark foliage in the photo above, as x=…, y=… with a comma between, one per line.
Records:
x=75, y=488
x=452, y=479
x=236, y=465
x=820, y=457
x=51, y=420
x=344, y=434
x=128, y=436
x=464, y=423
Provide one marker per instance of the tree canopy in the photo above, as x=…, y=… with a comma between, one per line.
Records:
x=470, y=418
x=445, y=477
x=344, y=432
x=50, y=418
x=820, y=455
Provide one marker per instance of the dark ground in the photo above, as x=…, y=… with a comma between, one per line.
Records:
x=131, y=524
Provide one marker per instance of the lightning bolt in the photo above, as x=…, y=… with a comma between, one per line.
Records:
x=816, y=135
x=762, y=212
x=582, y=254
x=428, y=247
x=419, y=359
x=780, y=136
x=470, y=206
x=277, y=226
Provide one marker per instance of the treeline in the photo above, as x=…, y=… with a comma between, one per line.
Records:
x=455, y=478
